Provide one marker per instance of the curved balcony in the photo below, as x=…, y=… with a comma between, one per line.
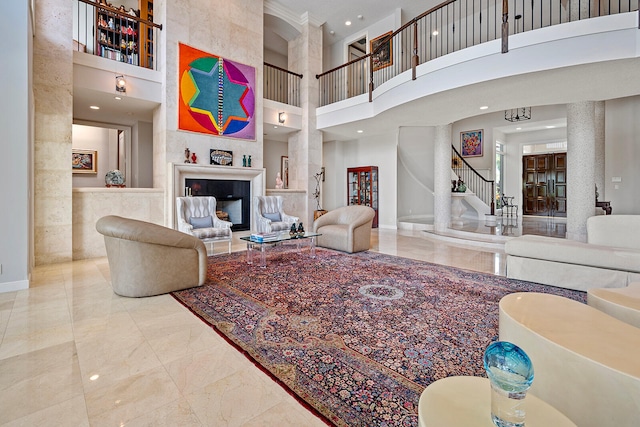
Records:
x=588, y=59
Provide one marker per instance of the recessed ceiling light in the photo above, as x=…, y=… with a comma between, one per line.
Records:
x=347, y=23
x=435, y=33
x=550, y=127
x=360, y=131
x=332, y=32
x=94, y=107
x=118, y=98
x=518, y=128
x=484, y=107
x=275, y=127
x=360, y=16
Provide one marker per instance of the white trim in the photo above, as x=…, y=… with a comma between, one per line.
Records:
x=19, y=285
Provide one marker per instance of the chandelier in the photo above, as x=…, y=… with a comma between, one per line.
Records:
x=517, y=114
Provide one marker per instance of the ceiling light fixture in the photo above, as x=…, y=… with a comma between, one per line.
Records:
x=121, y=84
x=360, y=131
x=282, y=117
x=435, y=33
x=517, y=114
x=94, y=107
x=484, y=107
x=347, y=23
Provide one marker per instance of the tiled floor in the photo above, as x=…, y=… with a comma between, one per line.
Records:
x=73, y=353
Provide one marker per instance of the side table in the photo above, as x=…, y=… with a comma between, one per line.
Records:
x=466, y=402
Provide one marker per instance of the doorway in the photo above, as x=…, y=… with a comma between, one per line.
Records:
x=545, y=184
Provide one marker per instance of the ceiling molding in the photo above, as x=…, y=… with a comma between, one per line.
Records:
x=307, y=17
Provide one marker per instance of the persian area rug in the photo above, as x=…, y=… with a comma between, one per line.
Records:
x=356, y=337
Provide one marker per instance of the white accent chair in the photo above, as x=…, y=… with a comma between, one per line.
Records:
x=269, y=214
x=346, y=229
x=197, y=217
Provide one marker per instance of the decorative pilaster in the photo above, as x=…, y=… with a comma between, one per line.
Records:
x=581, y=143
x=442, y=177
x=305, y=147
x=53, y=101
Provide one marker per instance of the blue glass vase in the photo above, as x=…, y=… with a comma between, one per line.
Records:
x=511, y=373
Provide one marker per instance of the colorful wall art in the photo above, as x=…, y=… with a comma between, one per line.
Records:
x=217, y=96
x=471, y=143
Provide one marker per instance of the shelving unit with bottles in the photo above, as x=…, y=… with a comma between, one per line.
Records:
x=116, y=36
x=362, y=188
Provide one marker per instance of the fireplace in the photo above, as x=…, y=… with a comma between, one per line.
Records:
x=233, y=197
x=178, y=173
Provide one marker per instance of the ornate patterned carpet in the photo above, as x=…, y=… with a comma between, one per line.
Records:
x=356, y=337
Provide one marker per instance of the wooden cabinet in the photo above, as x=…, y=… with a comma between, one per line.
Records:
x=147, y=42
x=362, y=188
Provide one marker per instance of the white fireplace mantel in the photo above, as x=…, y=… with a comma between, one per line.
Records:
x=178, y=172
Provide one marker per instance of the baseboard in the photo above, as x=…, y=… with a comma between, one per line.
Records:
x=14, y=286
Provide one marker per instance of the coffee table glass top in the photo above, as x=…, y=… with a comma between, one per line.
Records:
x=282, y=237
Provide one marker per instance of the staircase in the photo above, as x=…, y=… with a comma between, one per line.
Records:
x=483, y=200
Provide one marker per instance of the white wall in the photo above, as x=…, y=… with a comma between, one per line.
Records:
x=16, y=112
x=273, y=152
x=415, y=172
x=379, y=150
x=622, y=155
x=142, y=155
x=98, y=139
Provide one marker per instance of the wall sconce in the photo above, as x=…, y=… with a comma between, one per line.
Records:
x=282, y=117
x=121, y=84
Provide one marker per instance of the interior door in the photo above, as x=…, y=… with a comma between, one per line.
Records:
x=545, y=184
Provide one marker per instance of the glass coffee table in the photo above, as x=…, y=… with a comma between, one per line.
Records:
x=279, y=239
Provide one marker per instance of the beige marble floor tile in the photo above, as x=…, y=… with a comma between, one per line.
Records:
x=33, y=339
x=234, y=399
x=118, y=402
x=70, y=413
x=286, y=414
x=37, y=380
x=174, y=414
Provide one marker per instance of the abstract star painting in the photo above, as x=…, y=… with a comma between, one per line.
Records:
x=217, y=96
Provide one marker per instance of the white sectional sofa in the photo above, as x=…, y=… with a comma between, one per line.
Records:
x=609, y=259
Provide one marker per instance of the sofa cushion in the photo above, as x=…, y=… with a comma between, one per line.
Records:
x=273, y=216
x=201, y=222
x=572, y=252
x=211, y=233
x=614, y=230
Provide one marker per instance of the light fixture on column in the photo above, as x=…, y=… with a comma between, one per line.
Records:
x=121, y=84
x=517, y=114
x=282, y=117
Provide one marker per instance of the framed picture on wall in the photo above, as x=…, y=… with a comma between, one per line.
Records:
x=84, y=161
x=471, y=143
x=382, y=51
x=284, y=171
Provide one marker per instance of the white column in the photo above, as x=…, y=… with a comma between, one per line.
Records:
x=600, y=149
x=442, y=177
x=581, y=142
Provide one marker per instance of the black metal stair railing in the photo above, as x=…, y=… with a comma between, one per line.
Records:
x=483, y=188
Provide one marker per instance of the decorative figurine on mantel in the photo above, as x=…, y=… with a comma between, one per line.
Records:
x=292, y=231
x=194, y=158
x=187, y=154
x=279, y=183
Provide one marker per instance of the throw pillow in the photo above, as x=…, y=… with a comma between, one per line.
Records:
x=275, y=217
x=201, y=221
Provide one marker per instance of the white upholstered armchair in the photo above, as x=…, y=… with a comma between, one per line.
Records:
x=270, y=216
x=197, y=216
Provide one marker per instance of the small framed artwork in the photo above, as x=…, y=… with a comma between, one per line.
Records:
x=284, y=171
x=84, y=161
x=382, y=51
x=471, y=143
x=221, y=157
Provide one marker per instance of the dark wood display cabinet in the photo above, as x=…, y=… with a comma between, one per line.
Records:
x=362, y=188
